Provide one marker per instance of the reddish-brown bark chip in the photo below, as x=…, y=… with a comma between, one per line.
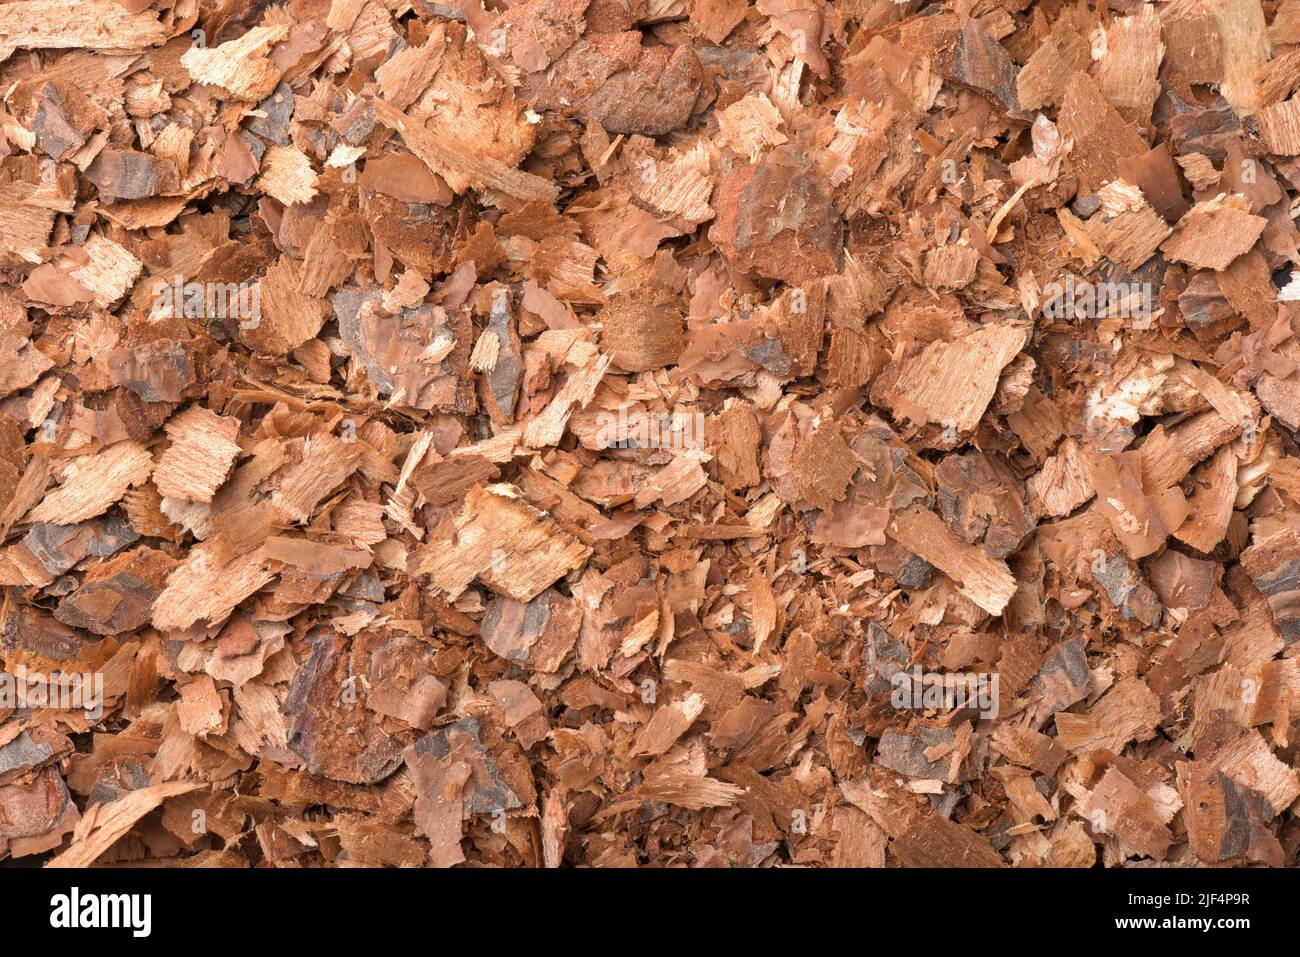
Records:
x=523, y=710
x=1192, y=42
x=1279, y=126
x=951, y=383
x=823, y=467
x=540, y=632
x=642, y=335
x=1117, y=806
x=1129, y=710
x=438, y=811
x=1226, y=821
x=625, y=86
x=1274, y=564
x=330, y=726
x=1214, y=233
x=117, y=596
x=776, y=219
x=1102, y=136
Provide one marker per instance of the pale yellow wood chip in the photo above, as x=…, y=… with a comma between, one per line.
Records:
x=93, y=24
x=548, y=427
x=1244, y=38
x=951, y=383
x=1214, y=233
x=326, y=461
x=1279, y=125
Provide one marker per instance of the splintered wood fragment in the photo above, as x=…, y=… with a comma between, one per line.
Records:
x=204, y=588
x=1192, y=40
x=503, y=541
x=1127, y=230
x=951, y=267
x=668, y=724
x=1117, y=806
x=442, y=153
x=693, y=791
x=920, y=836
x=1243, y=755
x=735, y=439
x=523, y=710
x=984, y=580
x=1214, y=233
x=104, y=824
x=823, y=467
x=1129, y=711
x=538, y=634
x=1211, y=504
x=108, y=273
x=1225, y=820
x=287, y=174
x=1244, y=37
x=1043, y=79
x=555, y=828
x=315, y=558
x=750, y=126
x=202, y=451
x=486, y=350
x=677, y=481
x=1063, y=484
x=983, y=63
x=91, y=24
x=239, y=67
x=640, y=334
x=1028, y=748
x=326, y=461
x=1127, y=72
x=763, y=612
x=91, y=484
x=1279, y=125
x=284, y=317
x=1277, y=79
x=1274, y=564
x=1140, y=520
x=439, y=807
x=951, y=383
x=1169, y=456
x=1228, y=402
x=407, y=73
x=1102, y=136
x=547, y=428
